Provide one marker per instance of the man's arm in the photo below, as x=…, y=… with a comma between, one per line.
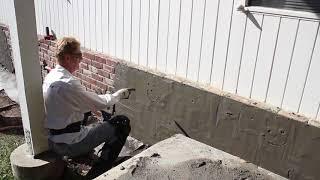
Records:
x=88, y=101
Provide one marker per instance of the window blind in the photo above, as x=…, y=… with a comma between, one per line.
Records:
x=297, y=5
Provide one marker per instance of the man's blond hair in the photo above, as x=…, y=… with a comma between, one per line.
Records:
x=67, y=45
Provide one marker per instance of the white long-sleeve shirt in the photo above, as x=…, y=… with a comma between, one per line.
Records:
x=66, y=101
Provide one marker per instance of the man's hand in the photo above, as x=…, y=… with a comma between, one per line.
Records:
x=123, y=93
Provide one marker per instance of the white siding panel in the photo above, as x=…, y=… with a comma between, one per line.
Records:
x=75, y=5
x=36, y=7
x=184, y=37
x=119, y=25
x=208, y=39
x=81, y=22
x=173, y=36
x=87, y=36
x=196, y=39
x=221, y=44
x=265, y=57
x=45, y=15
x=70, y=17
x=281, y=63
x=98, y=23
x=112, y=27
x=311, y=96
x=237, y=35
x=163, y=34
x=299, y=64
x=52, y=15
x=135, y=31
x=65, y=18
x=250, y=50
x=56, y=28
x=153, y=30
x=92, y=25
x=48, y=13
x=105, y=26
x=127, y=30
x=144, y=29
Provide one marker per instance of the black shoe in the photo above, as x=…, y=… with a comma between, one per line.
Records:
x=98, y=168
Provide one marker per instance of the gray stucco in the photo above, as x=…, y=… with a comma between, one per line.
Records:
x=282, y=142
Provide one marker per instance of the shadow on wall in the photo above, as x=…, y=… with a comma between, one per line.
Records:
x=283, y=143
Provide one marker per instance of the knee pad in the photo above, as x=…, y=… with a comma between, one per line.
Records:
x=122, y=123
x=120, y=120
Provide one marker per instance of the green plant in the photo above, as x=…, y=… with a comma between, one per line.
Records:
x=8, y=144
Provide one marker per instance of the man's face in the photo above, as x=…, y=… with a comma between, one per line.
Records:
x=74, y=60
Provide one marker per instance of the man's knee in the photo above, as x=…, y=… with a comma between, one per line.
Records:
x=122, y=123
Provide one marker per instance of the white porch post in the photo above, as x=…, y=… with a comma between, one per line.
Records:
x=27, y=67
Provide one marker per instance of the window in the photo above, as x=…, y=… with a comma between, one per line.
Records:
x=297, y=5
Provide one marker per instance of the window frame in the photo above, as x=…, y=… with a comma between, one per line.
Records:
x=278, y=11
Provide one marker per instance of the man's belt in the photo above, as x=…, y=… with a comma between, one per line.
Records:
x=71, y=128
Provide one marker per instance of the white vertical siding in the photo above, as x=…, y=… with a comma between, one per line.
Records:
x=135, y=40
x=266, y=57
x=249, y=55
x=221, y=42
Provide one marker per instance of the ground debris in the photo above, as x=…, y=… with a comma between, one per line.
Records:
x=156, y=155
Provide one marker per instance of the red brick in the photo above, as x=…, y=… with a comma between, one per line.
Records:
x=86, y=72
x=46, y=57
x=41, y=54
x=112, y=76
x=111, y=89
x=92, y=81
x=83, y=65
x=43, y=50
x=45, y=46
x=108, y=81
x=103, y=73
x=52, y=48
x=88, y=55
x=52, y=43
x=78, y=74
x=51, y=53
x=47, y=42
x=100, y=59
x=97, y=89
x=84, y=77
x=86, y=61
x=50, y=64
x=90, y=90
x=97, y=65
x=102, y=85
x=54, y=59
x=97, y=77
x=86, y=84
x=109, y=68
x=111, y=62
x=93, y=69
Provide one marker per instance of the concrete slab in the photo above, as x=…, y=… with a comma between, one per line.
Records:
x=180, y=157
x=25, y=167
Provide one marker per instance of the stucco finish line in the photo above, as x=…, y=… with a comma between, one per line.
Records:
x=282, y=142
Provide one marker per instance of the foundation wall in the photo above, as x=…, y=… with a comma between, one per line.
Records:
x=282, y=142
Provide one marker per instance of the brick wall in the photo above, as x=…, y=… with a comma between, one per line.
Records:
x=96, y=73
x=6, y=59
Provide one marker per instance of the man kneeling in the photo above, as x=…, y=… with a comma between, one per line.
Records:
x=66, y=101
